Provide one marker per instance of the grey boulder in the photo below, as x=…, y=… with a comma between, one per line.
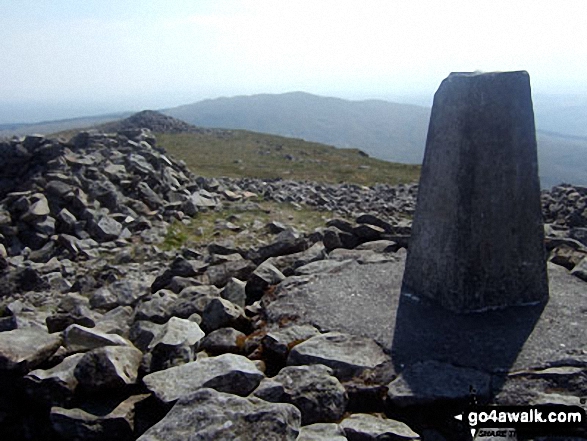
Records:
x=348, y=355
x=175, y=343
x=208, y=415
x=24, y=349
x=111, y=367
x=82, y=425
x=55, y=386
x=80, y=339
x=319, y=396
x=322, y=432
x=229, y=373
x=366, y=427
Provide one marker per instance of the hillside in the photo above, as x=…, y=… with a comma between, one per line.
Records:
x=241, y=153
x=385, y=130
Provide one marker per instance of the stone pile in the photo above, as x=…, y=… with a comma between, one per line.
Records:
x=104, y=336
x=564, y=208
x=394, y=202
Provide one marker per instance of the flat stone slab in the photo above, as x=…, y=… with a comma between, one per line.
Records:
x=365, y=300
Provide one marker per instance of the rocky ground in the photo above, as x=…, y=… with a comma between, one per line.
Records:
x=106, y=333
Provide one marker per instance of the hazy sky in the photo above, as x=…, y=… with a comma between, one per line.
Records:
x=62, y=58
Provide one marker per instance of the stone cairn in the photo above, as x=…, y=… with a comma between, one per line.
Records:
x=478, y=237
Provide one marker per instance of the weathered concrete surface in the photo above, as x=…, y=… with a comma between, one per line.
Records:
x=477, y=236
x=365, y=300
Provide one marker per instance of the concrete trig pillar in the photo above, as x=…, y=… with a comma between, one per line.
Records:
x=477, y=237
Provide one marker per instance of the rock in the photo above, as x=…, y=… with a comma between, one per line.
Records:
x=128, y=292
x=116, y=321
x=346, y=354
x=108, y=368
x=80, y=339
x=234, y=292
x=105, y=229
x=229, y=373
x=478, y=233
x=360, y=256
x=579, y=234
x=174, y=344
x=289, y=263
x=433, y=382
x=335, y=238
x=286, y=242
x=103, y=298
x=221, y=313
x=275, y=227
x=59, y=321
x=78, y=424
x=219, y=275
x=264, y=276
x=54, y=386
x=223, y=340
x=366, y=232
x=208, y=415
x=143, y=332
x=279, y=342
x=379, y=246
x=365, y=427
x=157, y=308
x=39, y=207
x=580, y=270
x=193, y=300
x=312, y=389
x=567, y=256
x=24, y=349
x=321, y=432
x=323, y=267
x=371, y=219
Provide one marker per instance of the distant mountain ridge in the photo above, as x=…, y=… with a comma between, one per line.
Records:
x=383, y=129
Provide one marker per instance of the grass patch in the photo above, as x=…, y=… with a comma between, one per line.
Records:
x=240, y=153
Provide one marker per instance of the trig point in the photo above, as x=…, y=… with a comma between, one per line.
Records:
x=477, y=237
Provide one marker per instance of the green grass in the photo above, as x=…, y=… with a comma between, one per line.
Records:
x=239, y=153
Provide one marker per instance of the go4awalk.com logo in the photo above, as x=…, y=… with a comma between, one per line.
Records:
x=503, y=422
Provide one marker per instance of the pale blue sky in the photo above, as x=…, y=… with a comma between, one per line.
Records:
x=66, y=58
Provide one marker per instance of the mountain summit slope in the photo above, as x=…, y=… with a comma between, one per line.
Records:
x=386, y=130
